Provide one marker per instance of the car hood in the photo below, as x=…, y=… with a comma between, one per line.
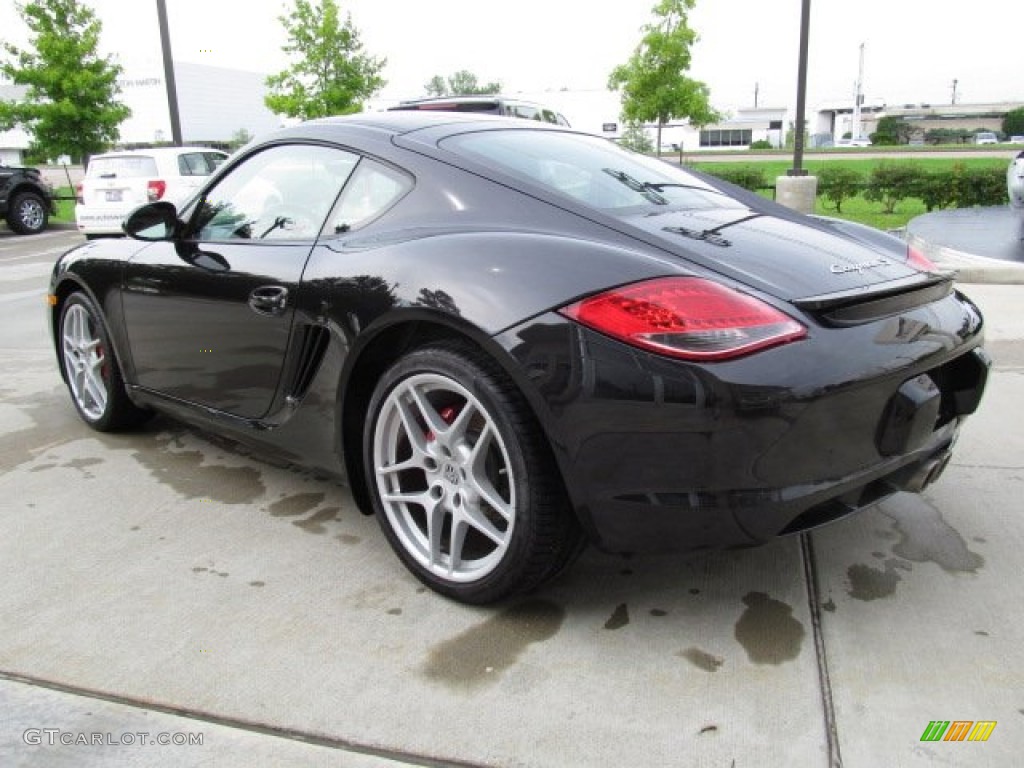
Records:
x=785, y=258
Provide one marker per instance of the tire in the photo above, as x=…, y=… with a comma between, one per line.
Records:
x=28, y=214
x=462, y=479
x=91, y=371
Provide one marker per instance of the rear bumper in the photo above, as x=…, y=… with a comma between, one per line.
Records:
x=93, y=221
x=660, y=455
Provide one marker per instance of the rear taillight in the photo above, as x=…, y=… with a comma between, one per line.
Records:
x=155, y=189
x=918, y=260
x=79, y=194
x=686, y=317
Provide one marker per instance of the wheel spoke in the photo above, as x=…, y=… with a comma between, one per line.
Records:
x=414, y=462
x=436, y=515
x=490, y=495
x=458, y=539
x=431, y=417
x=413, y=430
x=457, y=430
x=475, y=517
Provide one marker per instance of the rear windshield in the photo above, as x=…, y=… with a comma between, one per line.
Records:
x=589, y=169
x=120, y=166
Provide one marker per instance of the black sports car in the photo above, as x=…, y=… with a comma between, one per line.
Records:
x=512, y=338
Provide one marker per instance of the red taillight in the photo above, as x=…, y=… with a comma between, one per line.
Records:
x=918, y=260
x=686, y=317
x=79, y=194
x=155, y=189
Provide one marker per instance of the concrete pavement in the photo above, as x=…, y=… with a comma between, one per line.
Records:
x=163, y=582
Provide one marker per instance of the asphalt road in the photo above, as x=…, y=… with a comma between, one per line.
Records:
x=167, y=583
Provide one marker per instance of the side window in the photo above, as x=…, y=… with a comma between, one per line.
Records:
x=549, y=116
x=193, y=164
x=214, y=160
x=372, y=190
x=281, y=193
x=528, y=113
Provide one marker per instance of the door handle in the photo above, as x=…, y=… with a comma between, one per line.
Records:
x=269, y=300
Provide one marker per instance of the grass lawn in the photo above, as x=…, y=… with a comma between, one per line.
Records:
x=857, y=208
x=65, y=208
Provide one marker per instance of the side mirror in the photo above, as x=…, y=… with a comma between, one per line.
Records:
x=153, y=222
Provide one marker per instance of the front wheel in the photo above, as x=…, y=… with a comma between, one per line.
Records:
x=28, y=214
x=461, y=477
x=90, y=370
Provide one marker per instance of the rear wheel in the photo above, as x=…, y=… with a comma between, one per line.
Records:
x=461, y=477
x=90, y=370
x=28, y=214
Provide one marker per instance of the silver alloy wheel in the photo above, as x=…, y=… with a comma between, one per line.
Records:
x=444, y=477
x=31, y=214
x=84, y=359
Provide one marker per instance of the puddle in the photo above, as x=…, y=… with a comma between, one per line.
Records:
x=924, y=536
x=618, y=619
x=767, y=630
x=315, y=524
x=702, y=659
x=867, y=583
x=185, y=472
x=298, y=504
x=479, y=654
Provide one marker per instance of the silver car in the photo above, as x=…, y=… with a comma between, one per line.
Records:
x=1015, y=181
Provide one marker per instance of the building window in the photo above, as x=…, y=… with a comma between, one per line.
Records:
x=734, y=137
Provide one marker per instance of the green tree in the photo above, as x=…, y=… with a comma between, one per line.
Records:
x=436, y=87
x=461, y=83
x=1013, y=122
x=331, y=74
x=655, y=88
x=239, y=139
x=892, y=131
x=635, y=137
x=70, y=106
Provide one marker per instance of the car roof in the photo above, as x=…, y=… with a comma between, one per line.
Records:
x=156, y=152
x=400, y=122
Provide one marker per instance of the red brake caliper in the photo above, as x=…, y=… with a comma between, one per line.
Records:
x=447, y=414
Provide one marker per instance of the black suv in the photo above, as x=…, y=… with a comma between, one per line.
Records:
x=26, y=200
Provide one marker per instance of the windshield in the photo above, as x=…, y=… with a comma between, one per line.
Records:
x=122, y=165
x=589, y=169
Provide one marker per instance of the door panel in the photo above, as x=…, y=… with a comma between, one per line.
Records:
x=209, y=316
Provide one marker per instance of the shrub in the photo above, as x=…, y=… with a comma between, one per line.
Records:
x=891, y=182
x=977, y=186
x=747, y=176
x=935, y=189
x=1013, y=122
x=761, y=144
x=837, y=183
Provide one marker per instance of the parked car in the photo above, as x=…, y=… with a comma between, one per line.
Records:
x=984, y=137
x=853, y=142
x=117, y=182
x=26, y=199
x=512, y=338
x=486, y=105
x=1015, y=181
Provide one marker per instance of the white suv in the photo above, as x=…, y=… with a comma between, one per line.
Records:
x=1015, y=181
x=117, y=182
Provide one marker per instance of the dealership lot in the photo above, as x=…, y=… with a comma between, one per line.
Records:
x=192, y=587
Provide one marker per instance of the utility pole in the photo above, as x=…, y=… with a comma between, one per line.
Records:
x=801, y=92
x=757, y=87
x=858, y=97
x=953, y=100
x=797, y=190
x=172, y=89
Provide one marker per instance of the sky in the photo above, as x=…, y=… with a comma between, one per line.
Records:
x=913, y=49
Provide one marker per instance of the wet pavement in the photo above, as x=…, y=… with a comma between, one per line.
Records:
x=166, y=583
